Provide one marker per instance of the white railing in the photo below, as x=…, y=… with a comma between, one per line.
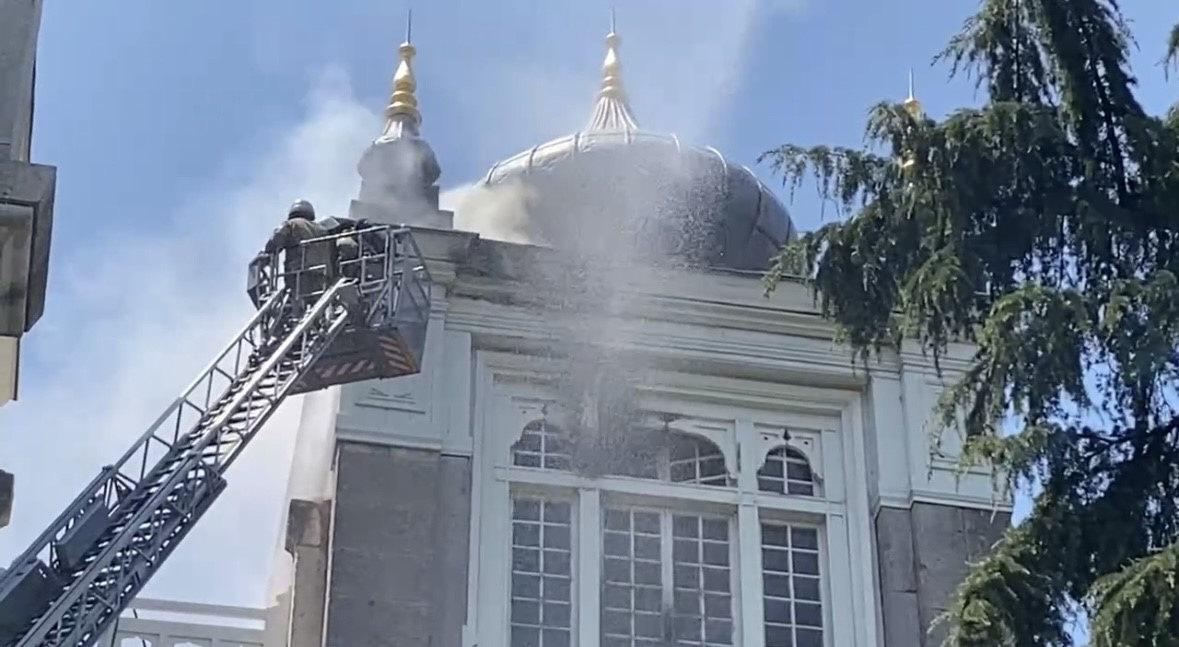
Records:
x=167, y=623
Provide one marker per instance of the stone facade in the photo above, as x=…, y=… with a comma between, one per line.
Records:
x=20, y=22
x=420, y=506
x=399, y=531
x=924, y=554
x=26, y=190
x=307, y=542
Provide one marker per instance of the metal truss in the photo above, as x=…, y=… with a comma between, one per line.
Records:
x=88, y=565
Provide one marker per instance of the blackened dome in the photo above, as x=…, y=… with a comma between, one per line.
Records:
x=616, y=184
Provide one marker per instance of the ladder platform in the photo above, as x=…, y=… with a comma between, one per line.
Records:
x=366, y=354
x=368, y=321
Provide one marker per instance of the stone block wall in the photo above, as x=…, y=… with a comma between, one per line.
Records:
x=399, y=548
x=924, y=554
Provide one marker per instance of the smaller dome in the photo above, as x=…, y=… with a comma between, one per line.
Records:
x=614, y=184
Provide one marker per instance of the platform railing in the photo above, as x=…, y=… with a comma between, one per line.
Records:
x=98, y=553
x=383, y=252
x=168, y=623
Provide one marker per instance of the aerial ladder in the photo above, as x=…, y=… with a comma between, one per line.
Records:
x=351, y=319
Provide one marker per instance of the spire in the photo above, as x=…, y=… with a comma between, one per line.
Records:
x=399, y=171
x=402, y=115
x=913, y=107
x=911, y=104
x=612, y=111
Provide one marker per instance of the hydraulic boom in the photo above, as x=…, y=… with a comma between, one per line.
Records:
x=355, y=319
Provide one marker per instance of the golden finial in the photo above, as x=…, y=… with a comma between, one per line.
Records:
x=612, y=67
x=912, y=105
x=403, y=104
x=612, y=111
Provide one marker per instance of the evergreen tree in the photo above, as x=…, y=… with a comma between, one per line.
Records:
x=1044, y=228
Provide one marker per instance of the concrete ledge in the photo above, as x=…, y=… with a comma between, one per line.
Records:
x=28, y=188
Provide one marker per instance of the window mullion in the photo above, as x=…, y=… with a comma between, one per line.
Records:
x=589, y=567
x=667, y=575
x=750, y=576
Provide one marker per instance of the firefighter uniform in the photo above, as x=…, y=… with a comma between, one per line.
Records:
x=307, y=268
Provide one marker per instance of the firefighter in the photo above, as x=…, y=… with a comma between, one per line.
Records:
x=347, y=247
x=348, y=252
x=306, y=268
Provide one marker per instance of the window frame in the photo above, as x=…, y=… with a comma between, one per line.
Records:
x=506, y=400
x=667, y=512
x=545, y=497
x=786, y=519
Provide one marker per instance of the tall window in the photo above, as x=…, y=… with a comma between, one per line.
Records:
x=702, y=612
x=542, y=574
x=632, y=578
x=791, y=586
x=662, y=563
x=666, y=579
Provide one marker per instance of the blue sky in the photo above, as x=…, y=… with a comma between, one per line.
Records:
x=182, y=130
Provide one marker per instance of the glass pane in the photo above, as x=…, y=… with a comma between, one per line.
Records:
x=696, y=460
x=702, y=599
x=541, y=613
x=639, y=606
x=556, y=638
x=791, y=586
x=786, y=471
x=632, y=595
x=647, y=523
x=541, y=445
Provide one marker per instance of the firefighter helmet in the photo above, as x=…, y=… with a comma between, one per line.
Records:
x=301, y=209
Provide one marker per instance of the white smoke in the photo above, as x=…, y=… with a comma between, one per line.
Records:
x=134, y=318
x=501, y=212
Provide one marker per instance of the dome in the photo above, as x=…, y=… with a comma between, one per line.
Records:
x=616, y=184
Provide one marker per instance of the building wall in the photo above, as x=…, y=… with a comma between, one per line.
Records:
x=20, y=182
x=398, y=547
x=414, y=511
x=20, y=22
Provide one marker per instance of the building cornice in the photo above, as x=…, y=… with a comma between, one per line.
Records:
x=494, y=290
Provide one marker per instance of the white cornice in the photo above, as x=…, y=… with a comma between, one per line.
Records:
x=938, y=497
x=475, y=270
x=729, y=351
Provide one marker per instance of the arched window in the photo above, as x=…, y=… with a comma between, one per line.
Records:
x=675, y=457
x=669, y=456
x=541, y=445
x=786, y=471
x=696, y=460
